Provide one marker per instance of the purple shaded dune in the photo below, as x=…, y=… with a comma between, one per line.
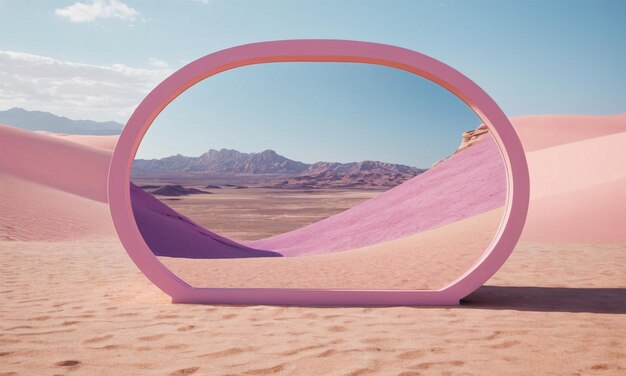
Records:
x=168, y=233
x=468, y=183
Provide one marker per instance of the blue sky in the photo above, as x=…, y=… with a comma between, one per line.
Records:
x=98, y=59
x=314, y=111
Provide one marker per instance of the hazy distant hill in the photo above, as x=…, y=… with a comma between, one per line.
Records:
x=351, y=175
x=45, y=121
x=294, y=174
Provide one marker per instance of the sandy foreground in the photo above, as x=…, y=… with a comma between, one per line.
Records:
x=83, y=308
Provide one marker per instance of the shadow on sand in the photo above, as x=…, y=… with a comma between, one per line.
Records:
x=549, y=299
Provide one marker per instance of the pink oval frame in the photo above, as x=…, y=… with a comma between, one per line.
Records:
x=319, y=50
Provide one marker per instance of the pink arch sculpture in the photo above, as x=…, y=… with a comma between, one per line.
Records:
x=321, y=50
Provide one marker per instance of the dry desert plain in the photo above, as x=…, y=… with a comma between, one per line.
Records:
x=257, y=213
x=72, y=302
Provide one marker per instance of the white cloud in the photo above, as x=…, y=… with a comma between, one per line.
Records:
x=157, y=63
x=75, y=90
x=205, y=2
x=89, y=12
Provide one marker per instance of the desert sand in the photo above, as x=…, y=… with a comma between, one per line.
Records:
x=73, y=302
x=279, y=211
x=169, y=233
x=82, y=308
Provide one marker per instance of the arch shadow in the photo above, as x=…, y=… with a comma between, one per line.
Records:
x=548, y=299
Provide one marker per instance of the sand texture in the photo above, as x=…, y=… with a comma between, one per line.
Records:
x=417, y=262
x=82, y=308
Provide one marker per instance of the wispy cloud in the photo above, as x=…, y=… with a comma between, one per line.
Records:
x=157, y=63
x=205, y=2
x=89, y=12
x=76, y=90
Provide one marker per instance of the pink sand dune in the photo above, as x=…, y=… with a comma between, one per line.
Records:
x=54, y=188
x=468, y=183
x=67, y=166
x=579, y=192
x=31, y=211
x=168, y=233
x=592, y=215
x=543, y=131
x=559, y=164
x=100, y=142
x=577, y=165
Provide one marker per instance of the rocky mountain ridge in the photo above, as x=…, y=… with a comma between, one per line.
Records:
x=293, y=174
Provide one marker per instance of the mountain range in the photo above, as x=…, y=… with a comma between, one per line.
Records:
x=224, y=161
x=45, y=121
x=290, y=173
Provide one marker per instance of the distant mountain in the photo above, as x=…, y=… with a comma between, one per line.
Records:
x=224, y=161
x=366, y=174
x=45, y=121
x=296, y=175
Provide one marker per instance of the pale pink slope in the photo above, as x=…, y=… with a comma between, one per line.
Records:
x=51, y=189
x=594, y=214
x=67, y=166
x=578, y=192
x=168, y=233
x=468, y=183
x=100, y=142
x=43, y=178
x=577, y=165
x=32, y=211
x=542, y=131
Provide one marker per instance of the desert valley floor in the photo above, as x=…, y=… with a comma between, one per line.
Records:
x=257, y=213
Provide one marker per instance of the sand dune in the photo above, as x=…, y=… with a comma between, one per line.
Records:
x=578, y=191
x=68, y=166
x=55, y=189
x=558, y=165
x=170, y=234
x=52, y=189
x=100, y=142
x=579, y=195
x=595, y=214
x=541, y=131
x=466, y=184
x=577, y=165
x=34, y=212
